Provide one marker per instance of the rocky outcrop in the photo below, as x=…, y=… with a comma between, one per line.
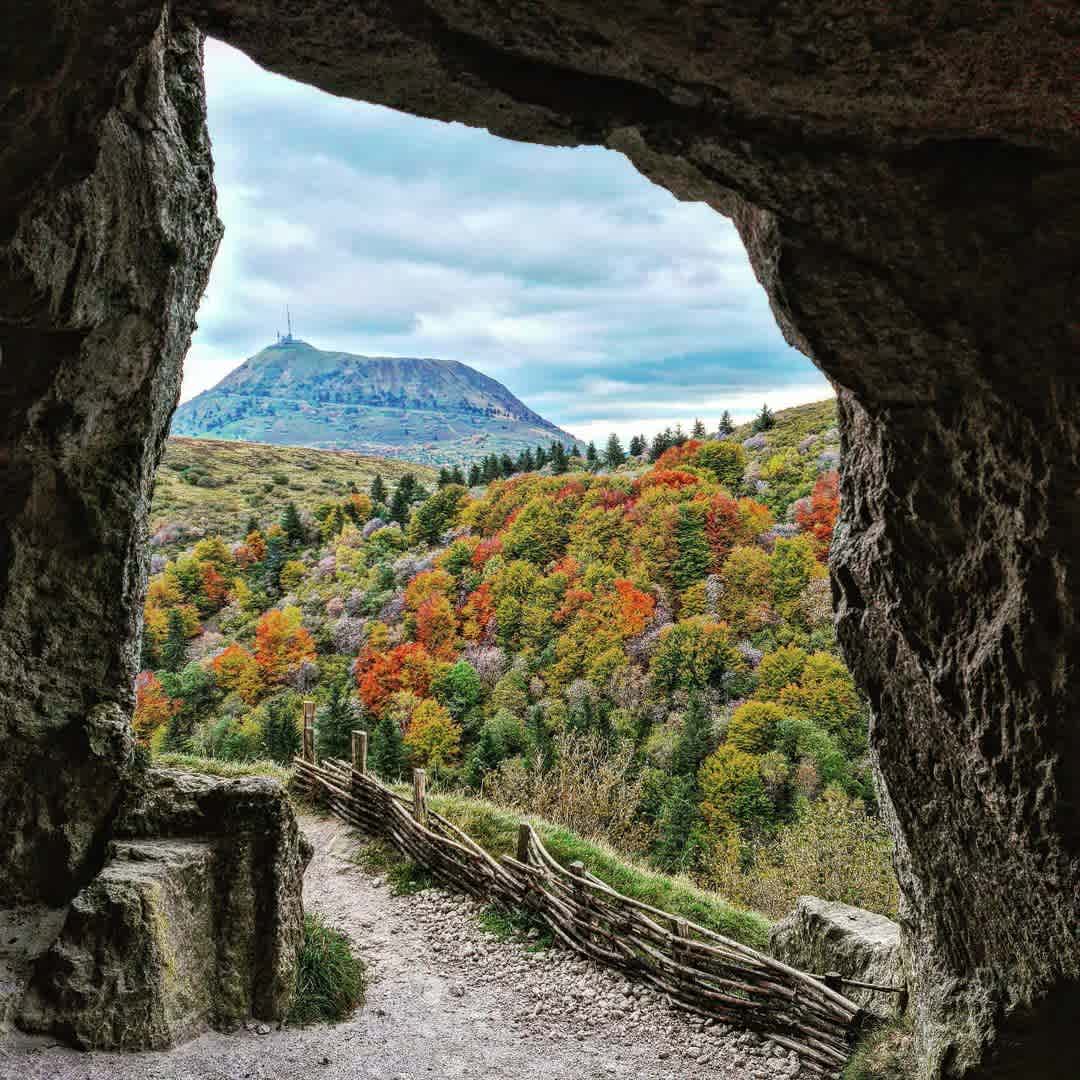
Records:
x=194, y=922
x=823, y=936
x=908, y=188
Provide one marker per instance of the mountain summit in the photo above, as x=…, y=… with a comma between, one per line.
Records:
x=433, y=411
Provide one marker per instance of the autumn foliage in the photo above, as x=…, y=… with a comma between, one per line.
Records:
x=281, y=644
x=819, y=518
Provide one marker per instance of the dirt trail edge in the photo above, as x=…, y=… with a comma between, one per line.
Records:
x=446, y=1000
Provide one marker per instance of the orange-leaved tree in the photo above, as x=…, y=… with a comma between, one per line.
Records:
x=281, y=643
x=153, y=707
x=237, y=670
x=819, y=518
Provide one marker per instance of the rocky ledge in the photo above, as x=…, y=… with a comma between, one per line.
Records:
x=194, y=921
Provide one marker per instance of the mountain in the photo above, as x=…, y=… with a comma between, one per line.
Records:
x=435, y=411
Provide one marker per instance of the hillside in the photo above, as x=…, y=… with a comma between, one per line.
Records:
x=644, y=654
x=210, y=486
x=439, y=412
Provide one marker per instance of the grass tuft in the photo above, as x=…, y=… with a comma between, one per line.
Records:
x=330, y=980
x=886, y=1053
x=228, y=769
x=404, y=876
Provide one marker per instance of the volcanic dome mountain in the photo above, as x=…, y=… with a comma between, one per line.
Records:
x=432, y=411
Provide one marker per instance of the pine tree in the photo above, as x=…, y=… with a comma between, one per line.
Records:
x=457, y=476
x=698, y=430
x=388, y=749
x=399, y=506
x=592, y=458
x=637, y=446
x=765, y=419
x=613, y=454
x=174, y=651
x=559, y=461
x=679, y=437
x=378, y=491
x=444, y=477
x=695, y=740
x=726, y=424
x=475, y=479
x=273, y=563
x=292, y=526
x=662, y=440
x=148, y=654
x=678, y=844
x=528, y=463
x=281, y=735
x=541, y=457
x=694, y=556
x=506, y=465
x=335, y=722
x=486, y=755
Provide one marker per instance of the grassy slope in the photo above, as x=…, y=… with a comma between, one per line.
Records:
x=238, y=480
x=792, y=426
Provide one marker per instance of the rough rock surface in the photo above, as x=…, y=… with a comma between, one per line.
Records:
x=822, y=935
x=907, y=182
x=445, y=1000
x=195, y=921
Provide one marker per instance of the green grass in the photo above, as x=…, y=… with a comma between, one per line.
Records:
x=792, y=426
x=514, y=924
x=404, y=876
x=496, y=831
x=229, y=769
x=330, y=980
x=214, y=486
x=886, y=1053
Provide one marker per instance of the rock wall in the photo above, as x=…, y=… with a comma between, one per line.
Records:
x=907, y=182
x=107, y=230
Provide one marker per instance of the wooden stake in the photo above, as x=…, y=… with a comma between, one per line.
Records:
x=581, y=894
x=359, y=751
x=419, y=794
x=524, y=832
x=834, y=980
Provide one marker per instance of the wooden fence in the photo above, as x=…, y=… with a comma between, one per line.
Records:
x=692, y=966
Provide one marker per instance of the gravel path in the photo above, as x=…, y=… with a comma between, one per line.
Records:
x=445, y=1000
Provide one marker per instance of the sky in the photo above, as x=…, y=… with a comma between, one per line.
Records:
x=596, y=297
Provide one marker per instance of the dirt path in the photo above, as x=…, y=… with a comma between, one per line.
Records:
x=446, y=1000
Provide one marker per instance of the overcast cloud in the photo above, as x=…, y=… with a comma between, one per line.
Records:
x=595, y=296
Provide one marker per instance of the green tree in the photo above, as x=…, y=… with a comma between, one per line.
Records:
x=698, y=430
x=727, y=426
x=335, y=722
x=273, y=563
x=637, y=446
x=292, y=526
x=592, y=458
x=388, y=749
x=725, y=459
x=694, y=556
x=281, y=733
x=459, y=688
x=678, y=827
x=764, y=420
x=399, y=505
x=435, y=515
x=475, y=479
x=613, y=454
x=486, y=755
x=695, y=742
x=378, y=490
x=560, y=462
x=174, y=650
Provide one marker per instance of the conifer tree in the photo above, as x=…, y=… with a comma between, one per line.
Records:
x=695, y=740
x=291, y=525
x=475, y=479
x=174, y=651
x=378, y=491
x=765, y=419
x=694, y=554
x=613, y=454
x=559, y=461
x=399, y=505
x=678, y=843
x=541, y=457
x=273, y=563
x=637, y=446
x=252, y=525
x=726, y=424
x=457, y=476
x=506, y=465
x=592, y=458
x=281, y=735
x=528, y=463
x=486, y=755
x=680, y=436
x=388, y=749
x=148, y=655
x=335, y=722
x=698, y=430
x=444, y=477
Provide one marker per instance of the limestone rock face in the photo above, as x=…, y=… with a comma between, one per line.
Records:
x=907, y=184
x=822, y=935
x=195, y=920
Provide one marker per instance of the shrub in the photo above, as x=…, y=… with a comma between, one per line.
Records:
x=753, y=726
x=330, y=980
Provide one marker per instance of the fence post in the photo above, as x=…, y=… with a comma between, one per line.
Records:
x=524, y=831
x=834, y=981
x=419, y=794
x=682, y=933
x=309, y=731
x=359, y=751
x=581, y=895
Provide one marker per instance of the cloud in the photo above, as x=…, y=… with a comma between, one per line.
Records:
x=595, y=296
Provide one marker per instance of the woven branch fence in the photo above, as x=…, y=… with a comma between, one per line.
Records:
x=695, y=968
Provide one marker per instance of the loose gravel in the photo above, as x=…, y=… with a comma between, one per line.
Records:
x=446, y=1000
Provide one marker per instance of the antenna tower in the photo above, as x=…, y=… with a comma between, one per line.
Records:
x=288, y=319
